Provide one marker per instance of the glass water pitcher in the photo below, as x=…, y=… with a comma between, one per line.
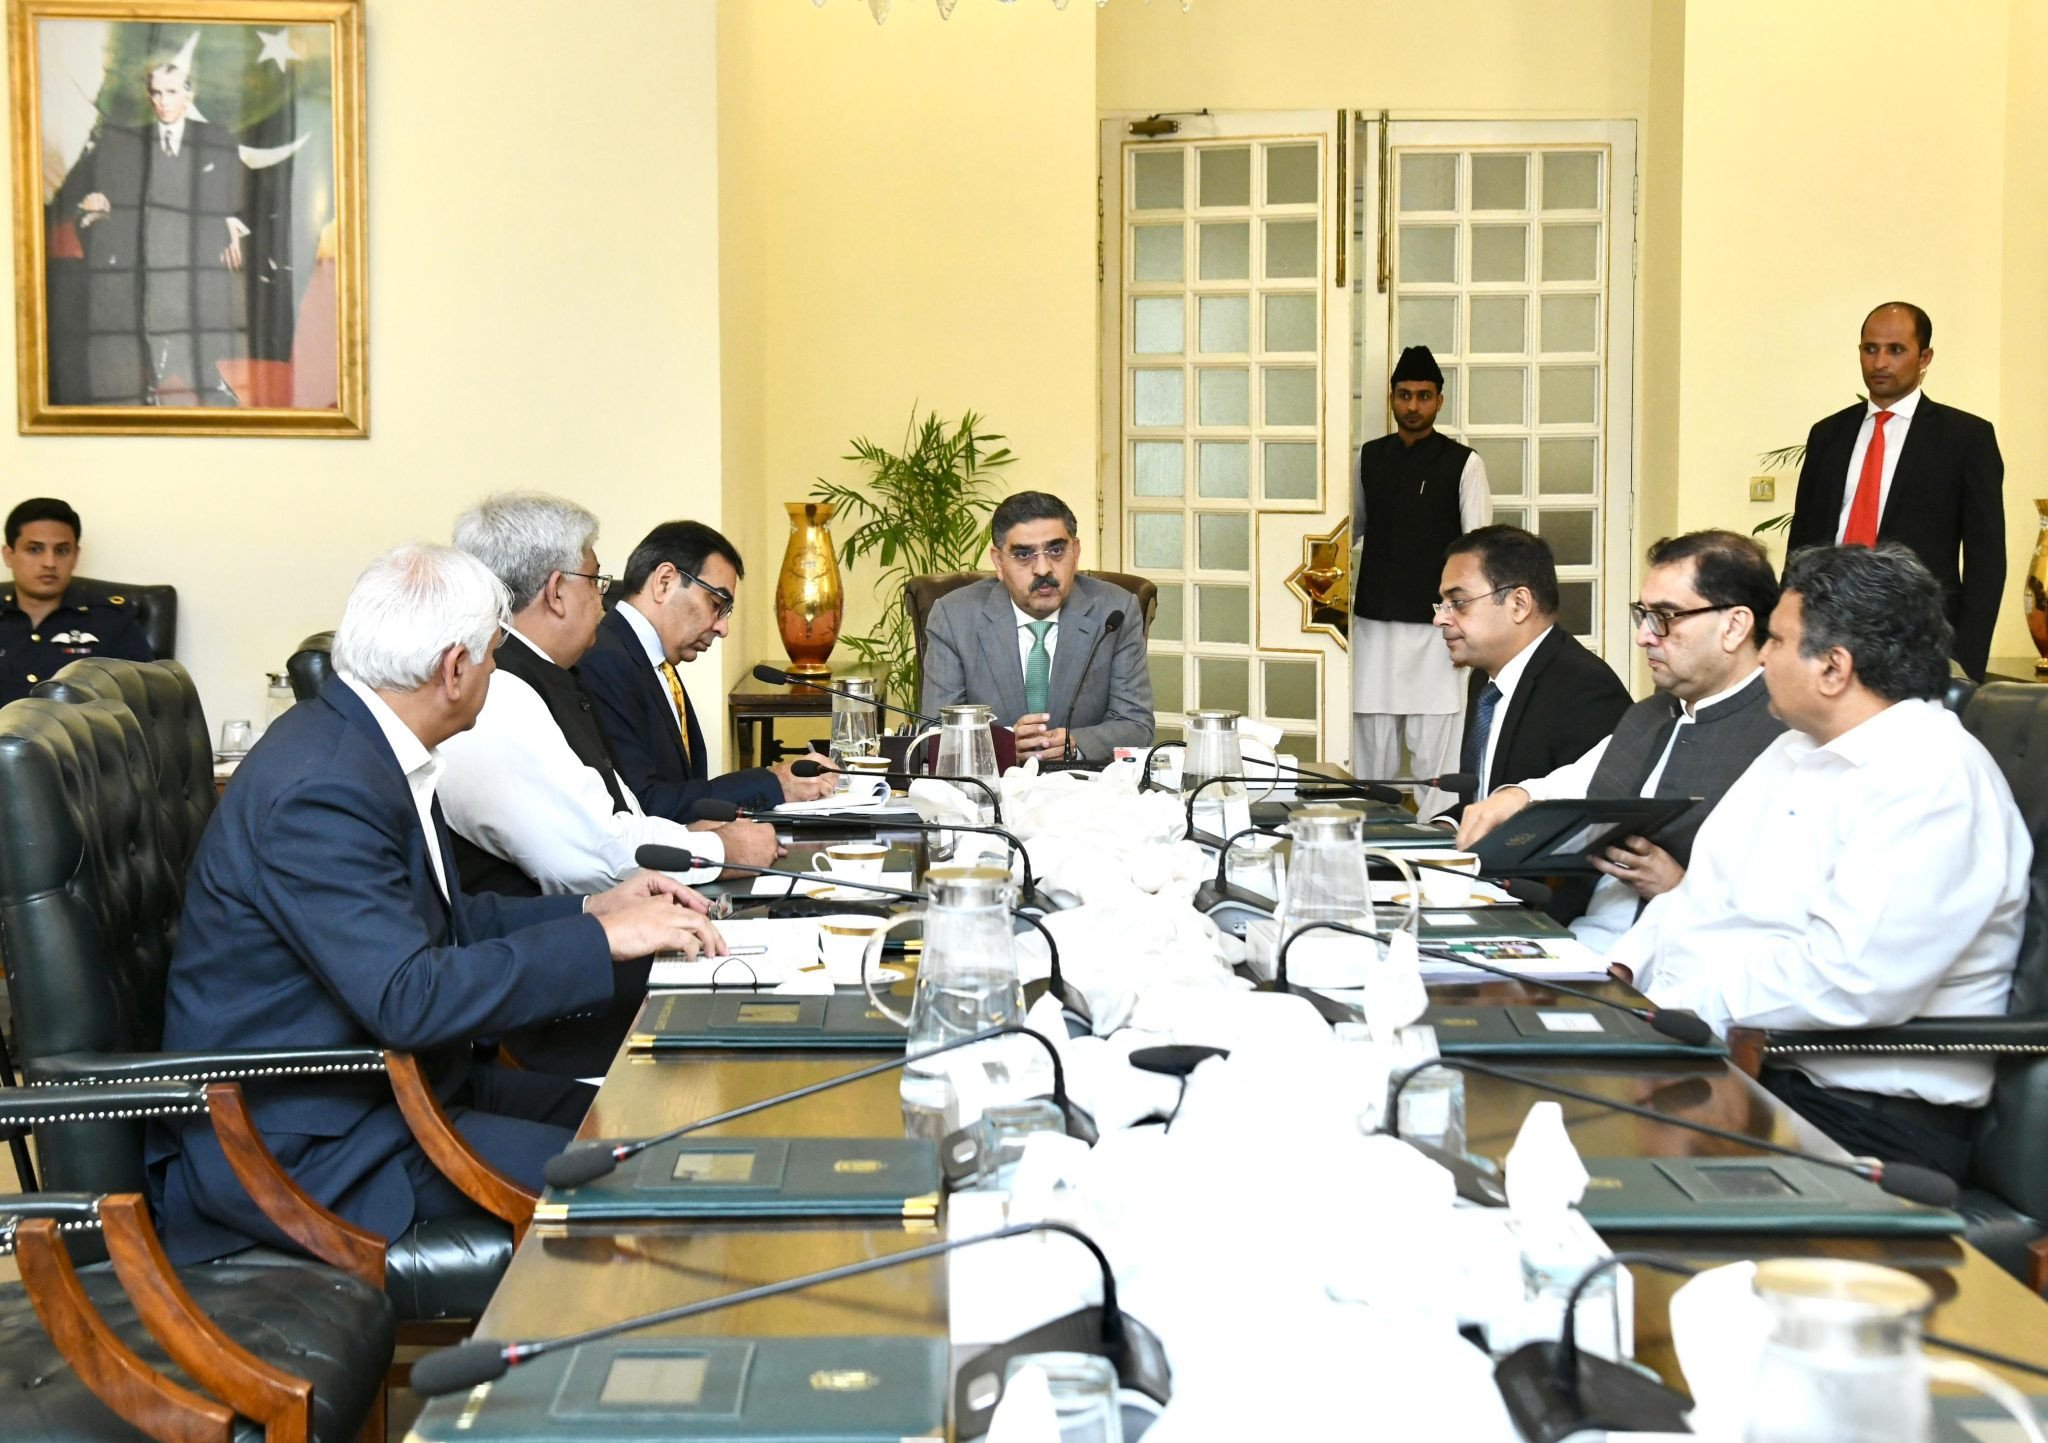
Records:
x=854, y=722
x=1213, y=751
x=1326, y=872
x=967, y=748
x=967, y=982
x=1842, y=1360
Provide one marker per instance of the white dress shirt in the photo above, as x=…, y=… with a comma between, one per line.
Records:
x=1400, y=668
x=1611, y=910
x=422, y=768
x=1052, y=640
x=1876, y=879
x=1894, y=441
x=512, y=785
x=1506, y=680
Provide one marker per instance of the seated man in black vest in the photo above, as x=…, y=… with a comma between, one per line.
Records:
x=531, y=792
x=1701, y=622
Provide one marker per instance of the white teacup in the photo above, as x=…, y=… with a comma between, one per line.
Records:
x=860, y=860
x=842, y=941
x=1442, y=888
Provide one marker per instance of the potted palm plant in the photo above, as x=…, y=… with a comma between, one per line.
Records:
x=919, y=511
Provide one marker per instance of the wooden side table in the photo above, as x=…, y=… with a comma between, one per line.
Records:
x=2013, y=668
x=757, y=705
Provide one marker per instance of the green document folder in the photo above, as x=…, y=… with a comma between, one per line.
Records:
x=758, y=1177
x=651, y=1389
x=1528, y=1031
x=1748, y=1195
x=844, y=1021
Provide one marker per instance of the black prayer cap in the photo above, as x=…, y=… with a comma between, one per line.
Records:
x=1417, y=364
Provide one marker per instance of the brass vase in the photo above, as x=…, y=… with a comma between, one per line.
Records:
x=2035, y=602
x=809, y=600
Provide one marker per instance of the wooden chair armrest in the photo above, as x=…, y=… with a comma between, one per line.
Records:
x=450, y=1152
x=1746, y=1049
x=283, y=1404
x=2037, y=1265
x=135, y=1391
x=327, y=1236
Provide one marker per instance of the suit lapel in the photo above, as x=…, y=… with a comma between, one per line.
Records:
x=1923, y=439
x=1080, y=620
x=443, y=840
x=653, y=690
x=435, y=908
x=1518, y=704
x=1835, y=466
x=999, y=647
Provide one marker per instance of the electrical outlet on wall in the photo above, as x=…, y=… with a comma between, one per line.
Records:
x=1763, y=488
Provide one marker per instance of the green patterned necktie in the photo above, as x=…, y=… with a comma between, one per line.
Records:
x=1037, y=668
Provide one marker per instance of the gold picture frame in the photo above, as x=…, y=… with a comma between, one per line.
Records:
x=190, y=227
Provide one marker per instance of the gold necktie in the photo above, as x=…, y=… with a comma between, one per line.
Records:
x=675, y=691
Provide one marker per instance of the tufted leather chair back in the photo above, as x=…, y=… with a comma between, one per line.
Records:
x=88, y=911
x=922, y=593
x=155, y=609
x=165, y=701
x=2011, y=719
x=311, y=666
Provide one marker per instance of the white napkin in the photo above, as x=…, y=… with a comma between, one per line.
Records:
x=1718, y=1325
x=1026, y=1414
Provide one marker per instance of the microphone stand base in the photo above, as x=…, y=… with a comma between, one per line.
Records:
x=1328, y=1008
x=1612, y=1398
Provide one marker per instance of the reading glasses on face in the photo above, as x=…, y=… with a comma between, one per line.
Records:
x=1438, y=608
x=1051, y=551
x=721, y=598
x=1659, y=622
x=597, y=579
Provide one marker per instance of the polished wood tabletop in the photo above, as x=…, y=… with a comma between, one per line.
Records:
x=563, y=1282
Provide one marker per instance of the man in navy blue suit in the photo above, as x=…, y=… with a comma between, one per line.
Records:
x=323, y=909
x=681, y=584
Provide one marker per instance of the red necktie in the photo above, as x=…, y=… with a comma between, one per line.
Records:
x=1863, y=512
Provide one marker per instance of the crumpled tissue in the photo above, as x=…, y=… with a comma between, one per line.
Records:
x=1119, y=952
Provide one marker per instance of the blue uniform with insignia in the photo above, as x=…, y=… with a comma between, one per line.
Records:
x=82, y=625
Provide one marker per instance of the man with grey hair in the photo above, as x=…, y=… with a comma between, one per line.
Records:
x=322, y=910
x=570, y=824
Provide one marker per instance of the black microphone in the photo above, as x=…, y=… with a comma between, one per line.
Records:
x=1113, y=622
x=1139, y=1359
x=713, y=810
x=811, y=767
x=657, y=858
x=1680, y=1024
x=575, y=1166
x=1900, y=1179
x=776, y=676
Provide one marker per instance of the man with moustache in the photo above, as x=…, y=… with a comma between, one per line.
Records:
x=1021, y=641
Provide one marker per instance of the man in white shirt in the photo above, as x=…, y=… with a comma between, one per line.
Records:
x=1870, y=868
x=1700, y=622
x=1034, y=642
x=531, y=790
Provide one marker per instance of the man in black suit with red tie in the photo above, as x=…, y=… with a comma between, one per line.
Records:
x=1902, y=467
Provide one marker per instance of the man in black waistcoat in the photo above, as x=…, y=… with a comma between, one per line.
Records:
x=531, y=792
x=1421, y=491
x=1701, y=621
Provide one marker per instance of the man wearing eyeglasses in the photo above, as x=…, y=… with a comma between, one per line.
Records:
x=1540, y=699
x=1700, y=621
x=1033, y=642
x=680, y=589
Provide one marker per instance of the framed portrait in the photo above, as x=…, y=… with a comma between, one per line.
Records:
x=189, y=231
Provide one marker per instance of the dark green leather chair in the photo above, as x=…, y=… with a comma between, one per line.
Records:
x=2006, y=1207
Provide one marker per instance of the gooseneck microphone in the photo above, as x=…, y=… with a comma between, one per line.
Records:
x=776, y=676
x=575, y=1166
x=1901, y=1179
x=657, y=858
x=1680, y=1024
x=811, y=767
x=1124, y=1341
x=713, y=810
x=1113, y=622
x=1375, y=789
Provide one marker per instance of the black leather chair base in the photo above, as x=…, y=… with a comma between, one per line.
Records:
x=326, y=1328
x=2000, y=1232
x=435, y=1271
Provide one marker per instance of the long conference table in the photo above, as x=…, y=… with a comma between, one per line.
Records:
x=564, y=1281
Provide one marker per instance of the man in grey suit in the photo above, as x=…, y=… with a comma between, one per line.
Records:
x=1034, y=642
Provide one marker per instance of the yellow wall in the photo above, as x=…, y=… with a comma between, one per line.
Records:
x=543, y=312
x=907, y=218
x=1807, y=201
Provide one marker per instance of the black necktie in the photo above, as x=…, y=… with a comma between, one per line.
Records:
x=1474, y=756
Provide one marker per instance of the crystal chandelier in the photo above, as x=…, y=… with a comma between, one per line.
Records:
x=880, y=8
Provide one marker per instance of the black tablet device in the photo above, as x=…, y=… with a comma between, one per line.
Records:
x=1551, y=839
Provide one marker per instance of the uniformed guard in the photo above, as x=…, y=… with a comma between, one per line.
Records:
x=45, y=622
x=1414, y=493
